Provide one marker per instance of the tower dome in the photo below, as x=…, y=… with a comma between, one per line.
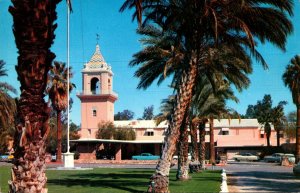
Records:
x=97, y=62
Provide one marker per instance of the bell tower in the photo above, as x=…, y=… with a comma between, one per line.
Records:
x=97, y=98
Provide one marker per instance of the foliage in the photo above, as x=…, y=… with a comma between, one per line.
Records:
x=8, y=105
x=290, y=130
x=266, y=114
x=124, y=134
x=250, y=112
x=76, y=155
x=148, y=113
x=51, y=143
x=8, y=110
x=107, y=130
x=292, y=116
x=124, y=115
x=57, y=87
x=291, y=78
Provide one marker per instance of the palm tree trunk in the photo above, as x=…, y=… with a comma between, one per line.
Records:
x=212, y=141
x=202, y=146
x=183, y=148
x=195, y=164
x=298, y=135
x=268, y=133
x=159, y=182
x=268, y=140
x=34, y=33
x=278, y=136
x=59, y=136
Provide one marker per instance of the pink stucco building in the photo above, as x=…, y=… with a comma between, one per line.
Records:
x=97, y=105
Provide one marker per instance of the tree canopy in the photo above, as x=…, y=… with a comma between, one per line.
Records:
x=124, y=115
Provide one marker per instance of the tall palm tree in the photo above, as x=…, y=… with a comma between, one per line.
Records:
x=194, y=25
x=291, y=79
x=8, y=111
x=7, y=103
x=183, y=149
x=202, y=148
x=33, y=27
x=267, y=114
x=215, y=107
x=195, y=164
x=58, y=94
x=278, y=119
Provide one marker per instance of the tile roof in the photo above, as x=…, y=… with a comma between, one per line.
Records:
x=97, y=61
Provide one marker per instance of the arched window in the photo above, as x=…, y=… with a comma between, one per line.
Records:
x=95, y=86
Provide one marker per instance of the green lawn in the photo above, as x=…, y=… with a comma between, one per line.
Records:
x=118, y=180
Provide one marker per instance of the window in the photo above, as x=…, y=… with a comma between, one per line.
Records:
x=149, y=133
x=207, y=132
x=262, y=134
x=225, y=132
x=89, y=132
x=94, y=113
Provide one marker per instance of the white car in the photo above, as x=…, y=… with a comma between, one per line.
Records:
x=290, y=157
x=245, y=157
x=175, y=157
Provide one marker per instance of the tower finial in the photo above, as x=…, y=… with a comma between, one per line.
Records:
x=97, y=38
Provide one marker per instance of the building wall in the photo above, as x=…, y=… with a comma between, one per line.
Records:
x=89, y=123
x=241, y=136
x=158, y=134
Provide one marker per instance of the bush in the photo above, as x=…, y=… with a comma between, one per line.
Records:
x=108, y=131
x=76, y=155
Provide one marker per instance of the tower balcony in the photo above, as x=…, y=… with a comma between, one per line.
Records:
x=87, y=94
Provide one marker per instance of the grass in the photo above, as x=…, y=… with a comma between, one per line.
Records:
x=118, y=180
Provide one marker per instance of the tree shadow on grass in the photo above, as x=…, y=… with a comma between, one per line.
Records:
x=130, y=181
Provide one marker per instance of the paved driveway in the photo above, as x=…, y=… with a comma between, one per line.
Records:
x=261, y=177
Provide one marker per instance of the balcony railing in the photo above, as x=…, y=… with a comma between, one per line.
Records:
x=86, y=92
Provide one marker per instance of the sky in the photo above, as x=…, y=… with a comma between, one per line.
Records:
x=119, y=41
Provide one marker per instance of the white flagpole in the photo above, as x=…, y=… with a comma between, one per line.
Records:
x=68, y=157
x=68, y=79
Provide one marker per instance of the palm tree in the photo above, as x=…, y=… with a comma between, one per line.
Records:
x=279, y=119
x=267, y=114
x=193, y=26
x=8, y=110
x=33, y=27
x=58, y=94
x=183, y=149
x=7, y=103
x=212, y=104
x=291, y=79
x=202, y=152
x=195, y=164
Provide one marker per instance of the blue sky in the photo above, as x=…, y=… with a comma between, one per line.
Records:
x=118, y=42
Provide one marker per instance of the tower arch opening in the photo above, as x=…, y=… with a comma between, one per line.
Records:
x=95, y=86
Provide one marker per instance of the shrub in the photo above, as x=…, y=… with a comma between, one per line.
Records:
x=76, y=155
x=108, y=131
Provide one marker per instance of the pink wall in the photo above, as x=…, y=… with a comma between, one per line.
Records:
x=242, y=136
